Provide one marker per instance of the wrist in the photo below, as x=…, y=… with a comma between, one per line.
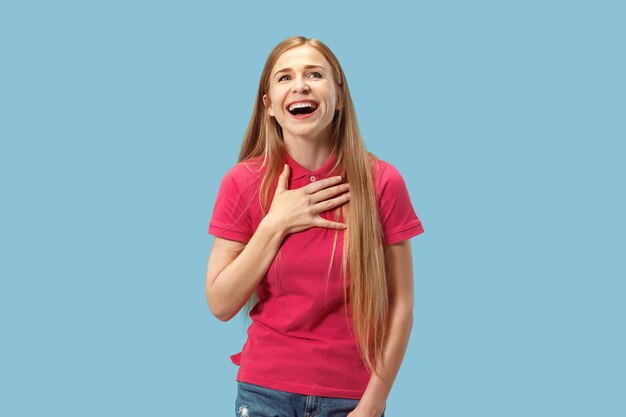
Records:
x=371, y=405
x=273, y=225
x=370, y=410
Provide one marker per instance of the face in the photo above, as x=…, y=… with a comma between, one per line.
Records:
x=302, y=75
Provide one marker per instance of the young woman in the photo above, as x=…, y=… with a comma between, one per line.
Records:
x=312, y=238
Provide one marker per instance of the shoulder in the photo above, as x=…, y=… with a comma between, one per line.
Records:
x=245, y=173
x=385, y=175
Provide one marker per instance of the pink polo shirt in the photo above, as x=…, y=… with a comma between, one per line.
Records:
x=300, y=340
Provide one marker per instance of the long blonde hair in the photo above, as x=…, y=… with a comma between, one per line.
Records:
x=363, y=239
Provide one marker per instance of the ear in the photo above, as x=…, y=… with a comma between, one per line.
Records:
x=338, y=104
x=268, y=105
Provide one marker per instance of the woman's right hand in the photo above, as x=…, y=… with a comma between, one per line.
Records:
x=299, y=209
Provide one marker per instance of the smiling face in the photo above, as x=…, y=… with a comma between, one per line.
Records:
x=302, y=76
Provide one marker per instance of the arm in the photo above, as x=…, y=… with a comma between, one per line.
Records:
x=399, y=260
x=235, y=269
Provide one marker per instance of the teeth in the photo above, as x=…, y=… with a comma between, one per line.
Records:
x=303, y=104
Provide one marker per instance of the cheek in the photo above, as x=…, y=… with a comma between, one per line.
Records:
x=332, y=97
x=332, y=102
x=277, y=101
x=275, y=106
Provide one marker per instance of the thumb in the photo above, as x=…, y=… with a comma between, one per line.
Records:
x=283, y=179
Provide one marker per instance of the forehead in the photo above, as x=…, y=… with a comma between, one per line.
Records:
x=300, y=56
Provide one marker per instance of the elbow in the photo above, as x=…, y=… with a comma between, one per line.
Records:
x=402, y=307
x=405, y=321
x=218, y=310
x=403, y=312
x=221, y=314
x=223, y=317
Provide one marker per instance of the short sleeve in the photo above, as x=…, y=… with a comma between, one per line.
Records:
x=398, y=217
x=231, y=218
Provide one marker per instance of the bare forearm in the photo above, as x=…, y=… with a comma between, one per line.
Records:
x=235, y=284
x=378, y=389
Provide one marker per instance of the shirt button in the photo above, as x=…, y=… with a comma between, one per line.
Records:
x=312, y=178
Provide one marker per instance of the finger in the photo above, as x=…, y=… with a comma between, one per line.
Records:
x=283, y=179
x=331, y=225
x=320, y=185
x=329, y=192
x=323, y=206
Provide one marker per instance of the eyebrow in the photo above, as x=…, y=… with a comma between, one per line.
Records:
x=306, y=67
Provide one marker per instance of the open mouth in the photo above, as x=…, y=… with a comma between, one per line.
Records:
x=302, y=109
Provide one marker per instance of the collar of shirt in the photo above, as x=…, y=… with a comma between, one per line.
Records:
x=301, y=176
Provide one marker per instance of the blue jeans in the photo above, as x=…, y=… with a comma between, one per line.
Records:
x=257, y=401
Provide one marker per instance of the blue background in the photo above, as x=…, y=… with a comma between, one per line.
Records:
x=118, y=120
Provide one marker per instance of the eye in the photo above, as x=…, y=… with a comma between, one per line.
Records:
x=281, y=78
x=318, y=74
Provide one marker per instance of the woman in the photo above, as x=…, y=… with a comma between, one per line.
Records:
x=329, y=327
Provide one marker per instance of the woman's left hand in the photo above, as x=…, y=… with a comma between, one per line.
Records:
x=361, y=412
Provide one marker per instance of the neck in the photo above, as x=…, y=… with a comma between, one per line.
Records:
x=310, y=152
x=310, y=155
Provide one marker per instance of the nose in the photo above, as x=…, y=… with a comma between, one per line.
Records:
x=300, y=86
